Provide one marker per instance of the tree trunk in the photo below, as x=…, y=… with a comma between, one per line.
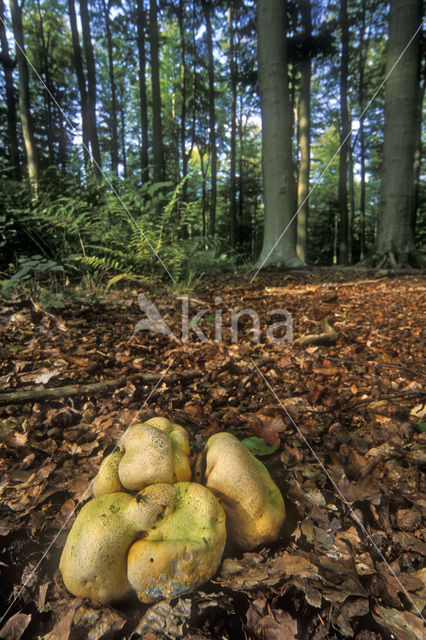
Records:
x=113, y=111
x=92, y=130
x=395, y=239
x=233, y=151
x=8, y=64
x=361, y=102
x=418, y=143
x=123, y=129
x=24, y=97
x=351, y=203
x=240, y=164
x=207, y=9
x=279, y=238
x=62, y=139
x=44, y=71
x=305, y=135
x=183, y=74
x=157, y=136
x=344, y=135
x=81, y=81
x=141, y=20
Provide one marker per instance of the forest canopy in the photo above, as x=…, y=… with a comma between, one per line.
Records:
x=131, y=136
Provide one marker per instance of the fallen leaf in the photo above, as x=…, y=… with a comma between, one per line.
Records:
x=15, y=626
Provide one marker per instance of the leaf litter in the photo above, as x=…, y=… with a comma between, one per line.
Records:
x=351, y=559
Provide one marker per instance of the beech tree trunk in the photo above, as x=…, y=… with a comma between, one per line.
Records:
x=81, y=81
x=279, y=238
x=233, y=151
x=113, y=109
x=24, y=97
x=208, y=8
x=361, y=102
x=305, y=135
x=8, y=64
x=157, y=136
x=418, y=144
x=44, y=70
x=183, y=73
x=344, y=136
x=123, y=128
x=395, y=240
x=92, y=130
x=141, y=25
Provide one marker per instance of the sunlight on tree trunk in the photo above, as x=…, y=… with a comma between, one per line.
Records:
x=305, y=137
x=277, y=117
x=395, y=240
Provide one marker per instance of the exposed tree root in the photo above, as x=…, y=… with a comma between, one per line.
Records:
x=327, y=336
x=391, y=260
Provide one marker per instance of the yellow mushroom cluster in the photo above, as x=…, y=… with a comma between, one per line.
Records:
x=149, y=528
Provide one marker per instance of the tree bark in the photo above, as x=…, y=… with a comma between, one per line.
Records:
x=305, y=135
x=361, y=102
x=24, y=97
x=81, y=81
x=279, y=239
x=157, y=136
x=208, y=9
x=183, y=75
x=395, y=239
x=143, y=101
x=91, y=87
x=8, y=65
x=344, y=136
x=44, y=71
x=418, y=142
x=233, y=150
x=123, y=129
x=113, y=110
x=241, y=168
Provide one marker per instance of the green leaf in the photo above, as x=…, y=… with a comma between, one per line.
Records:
x=258, y=447
x=421, y=426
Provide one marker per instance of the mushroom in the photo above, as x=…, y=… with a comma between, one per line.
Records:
x=184, y=547
x=107, y=480
x=150, y=452
x=252, y=501
x=94, y=560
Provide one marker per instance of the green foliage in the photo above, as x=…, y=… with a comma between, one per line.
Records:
x=258, y=446
x=421, y=426
x=34, y=271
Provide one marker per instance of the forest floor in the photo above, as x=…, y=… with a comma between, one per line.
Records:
x=347, y=416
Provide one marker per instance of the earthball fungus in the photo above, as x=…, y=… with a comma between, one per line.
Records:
x=252, y=501
x=94, y=560
x=150, y=529
x=166, y=540
x=150, y=452
x=184, y=547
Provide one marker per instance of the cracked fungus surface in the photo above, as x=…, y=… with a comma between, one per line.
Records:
x=183, y=549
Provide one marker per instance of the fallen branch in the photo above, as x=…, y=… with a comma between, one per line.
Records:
x=20, y=397
x=328, y=336
x=391, y=396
